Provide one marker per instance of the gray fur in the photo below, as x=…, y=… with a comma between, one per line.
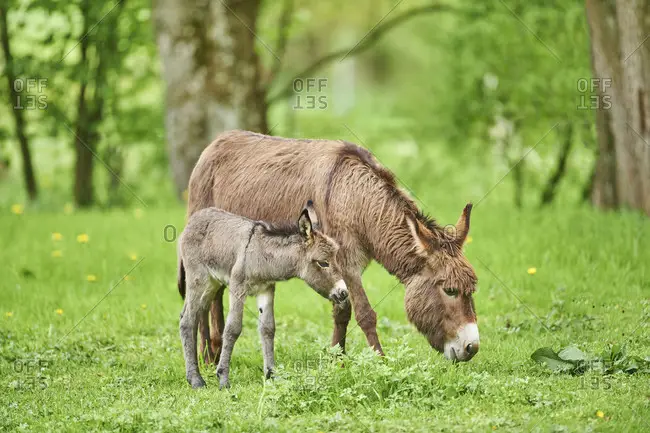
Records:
x=218, y=248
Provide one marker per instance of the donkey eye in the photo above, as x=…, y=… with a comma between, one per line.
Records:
x=322, y=263
x=451, y=291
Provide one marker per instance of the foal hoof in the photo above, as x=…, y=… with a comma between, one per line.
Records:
x=197, y=382
x=224, y=384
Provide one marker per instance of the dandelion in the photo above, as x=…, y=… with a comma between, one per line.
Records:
x=138, y=213
x=17, y=209
x=92, y=278
x=83, y=238
x=468, y=240
x=600, y=414
x=128, y=278
x=68, y=208
x=59, y=311
x=143, y=306
x=532, y=271
x=9, y=314
x=57, y=253
x=57, y=236
x=133, y=257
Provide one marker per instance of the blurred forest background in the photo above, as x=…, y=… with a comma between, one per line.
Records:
x=110, y=103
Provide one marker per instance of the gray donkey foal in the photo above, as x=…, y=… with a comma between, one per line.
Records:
x=218, y=248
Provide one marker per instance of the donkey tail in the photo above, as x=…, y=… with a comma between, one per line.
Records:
x=181, y=273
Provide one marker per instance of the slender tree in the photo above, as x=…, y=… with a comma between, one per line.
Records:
x=14, y=100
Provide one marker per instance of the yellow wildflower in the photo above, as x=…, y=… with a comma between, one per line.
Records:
x=143, y=306
x=532, y=271
x=57, y=236
x=600, y=414
x=468, y=240
x=91, y=278
x=57, y=253
x=17, y=209
x=83, y=238
x=59, y=311
x=133, y=257
x=9, y=314
x=128, y=278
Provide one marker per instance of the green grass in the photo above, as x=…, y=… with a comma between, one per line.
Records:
x=117, y=364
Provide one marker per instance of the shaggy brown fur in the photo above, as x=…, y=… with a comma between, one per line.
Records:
x=269, y=178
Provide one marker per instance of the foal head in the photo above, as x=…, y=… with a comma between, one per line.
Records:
x=317, y=263
x=439, y=297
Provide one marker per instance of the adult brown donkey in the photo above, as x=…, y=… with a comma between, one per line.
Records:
x=269, y=178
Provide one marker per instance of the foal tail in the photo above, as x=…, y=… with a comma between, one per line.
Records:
x=181, y=273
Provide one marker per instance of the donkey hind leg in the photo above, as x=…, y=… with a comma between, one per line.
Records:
x=218, y=323
x=204, y=331
x=266, y=327
x=211, y=339
x=188, y=327
x=231, y=331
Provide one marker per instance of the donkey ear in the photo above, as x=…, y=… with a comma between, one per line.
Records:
x=422, y=237
x=462, y=226
x=306, y=226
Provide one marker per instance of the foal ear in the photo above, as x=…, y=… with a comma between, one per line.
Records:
x=313, y=216
x=305, y=224
x=462, y=226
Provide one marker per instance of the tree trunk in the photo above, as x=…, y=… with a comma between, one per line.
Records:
x=15, y=101
x=212, y=73
x=83, y=172
x=618, y=33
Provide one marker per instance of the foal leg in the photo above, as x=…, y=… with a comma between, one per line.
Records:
x=231, y=331
x=341, y=313
x=188, y=327
x=266, y=327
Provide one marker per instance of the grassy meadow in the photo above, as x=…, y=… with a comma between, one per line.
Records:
x=89, y=333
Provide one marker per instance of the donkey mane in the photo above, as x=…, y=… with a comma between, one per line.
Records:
x=350, y=152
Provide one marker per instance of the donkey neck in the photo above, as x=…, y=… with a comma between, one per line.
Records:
x=388, y=234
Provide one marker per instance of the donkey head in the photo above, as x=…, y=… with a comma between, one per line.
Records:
x=438, y=298
x=317, y=263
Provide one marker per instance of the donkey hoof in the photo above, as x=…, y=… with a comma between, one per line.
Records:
x=269, y=373
x=224, y=384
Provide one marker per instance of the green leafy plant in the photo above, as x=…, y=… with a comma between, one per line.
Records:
x=574, y=361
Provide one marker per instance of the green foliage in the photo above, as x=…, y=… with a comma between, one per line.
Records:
x=117, y=364
x=573, y=360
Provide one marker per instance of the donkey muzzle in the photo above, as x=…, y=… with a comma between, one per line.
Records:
x=339, y=292
x=465, y=345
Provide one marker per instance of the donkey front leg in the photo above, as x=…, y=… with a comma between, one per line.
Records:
x=363, y=312
x=231, y=331
x=188, y=327
x=266, y=328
